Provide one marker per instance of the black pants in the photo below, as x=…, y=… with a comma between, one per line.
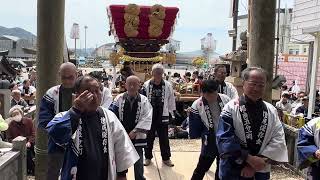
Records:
x=55, y=161
x=30, y=160
x=138, y=166
x=203, y=166
x=315, y=171
x=162, y=131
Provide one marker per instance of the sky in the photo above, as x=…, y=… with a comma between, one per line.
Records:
x=196, y=19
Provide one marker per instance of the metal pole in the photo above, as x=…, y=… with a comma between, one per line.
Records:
x=277, y=49
x=75, y=49
x=235, y=24
x=85, y=40
x=314, y=70
x=310, y=59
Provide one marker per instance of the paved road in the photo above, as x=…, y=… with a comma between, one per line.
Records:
x=185, y=154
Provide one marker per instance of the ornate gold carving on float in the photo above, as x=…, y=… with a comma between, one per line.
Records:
x=156, y=17
x=114, y=58
x=141, y=31
x=132, y=20
x=152, y=59
x=169, y=58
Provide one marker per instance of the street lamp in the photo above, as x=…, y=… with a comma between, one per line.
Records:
x=208, y=45
x=232, y=33
x=85, y=40
x=75, y=35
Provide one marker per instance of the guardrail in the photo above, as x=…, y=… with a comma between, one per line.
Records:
x=292, y=134
x=291, y=141
x=13, y=163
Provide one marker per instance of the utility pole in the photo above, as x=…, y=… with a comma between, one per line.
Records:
x=85, y=40
x=75, y=49
x=235, y=24
x=50, y=33
x=310, y=62
x=315, y=32
x=314, y=71
x=261, y=38
x=278, y=29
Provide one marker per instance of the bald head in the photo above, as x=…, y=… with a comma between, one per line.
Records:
x=133, y=85
x=68, y=74
x=133, y=79
x=68, y=66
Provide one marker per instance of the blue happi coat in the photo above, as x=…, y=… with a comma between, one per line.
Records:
x=232, y=142
x=199, y=125
x=49, y=107
x=308, y=144
x=121, y=152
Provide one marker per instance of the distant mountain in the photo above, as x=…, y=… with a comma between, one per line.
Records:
x=18, y=32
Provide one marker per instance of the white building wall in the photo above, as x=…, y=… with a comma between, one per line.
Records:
x=173, y=45
x=306, y=13
x=284, y=31
x=104, y=50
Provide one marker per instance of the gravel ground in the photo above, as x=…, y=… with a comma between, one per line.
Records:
x=283, y=173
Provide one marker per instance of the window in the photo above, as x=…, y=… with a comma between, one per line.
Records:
x=290, y=51
x=293, y=51
x=14, y=45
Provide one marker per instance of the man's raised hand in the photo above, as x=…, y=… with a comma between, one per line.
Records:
x=83, y=100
